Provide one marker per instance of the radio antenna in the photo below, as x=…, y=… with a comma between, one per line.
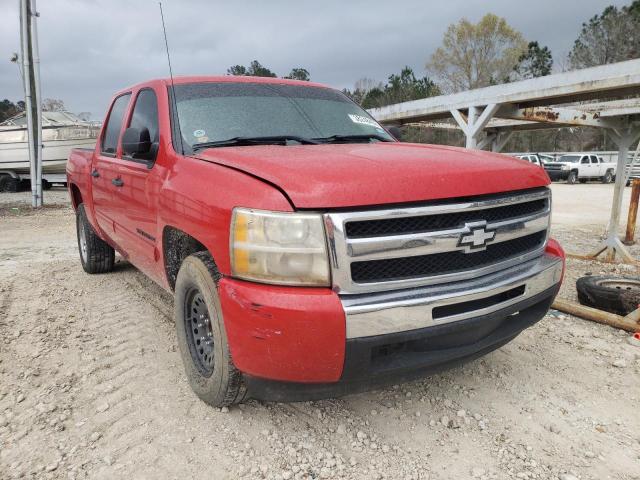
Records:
x=173, y=90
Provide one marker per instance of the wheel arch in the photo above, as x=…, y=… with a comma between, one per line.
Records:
x=76, y=195
x=176, y=246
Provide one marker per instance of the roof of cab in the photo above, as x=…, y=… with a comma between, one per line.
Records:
x=222, y=79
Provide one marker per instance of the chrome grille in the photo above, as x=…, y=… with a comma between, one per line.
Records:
x=429, y=223
x=552, y=167
x=389, y=249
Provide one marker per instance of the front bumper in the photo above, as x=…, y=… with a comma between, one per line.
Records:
x=373, y=362
x=412, y=309
x=303, y=343
x=556, y=175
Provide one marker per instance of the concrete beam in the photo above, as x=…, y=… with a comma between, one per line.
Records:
x=473, y=124
x=558, y=116
x=500, y=140
x=483, y=119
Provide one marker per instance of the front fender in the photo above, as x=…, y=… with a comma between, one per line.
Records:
x=198, y=198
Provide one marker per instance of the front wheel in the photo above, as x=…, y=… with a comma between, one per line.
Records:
x=608, y=177
x=572, y=178
x=201, y=334
x=96, y=255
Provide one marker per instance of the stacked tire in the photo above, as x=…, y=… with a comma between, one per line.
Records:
x=620, y=295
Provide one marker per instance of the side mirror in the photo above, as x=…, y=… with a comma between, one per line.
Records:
x=395, y=133
x=136, y=141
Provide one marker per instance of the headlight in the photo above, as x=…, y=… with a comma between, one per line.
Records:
x=279, y=248
x=565, y=167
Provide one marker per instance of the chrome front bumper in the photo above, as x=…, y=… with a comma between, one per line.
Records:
x=402, y=310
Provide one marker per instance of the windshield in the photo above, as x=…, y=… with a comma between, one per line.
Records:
x=546, y=158
x=570, y=158
x=216, y=112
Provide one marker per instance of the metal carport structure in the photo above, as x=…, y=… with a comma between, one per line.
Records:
x=606, y=97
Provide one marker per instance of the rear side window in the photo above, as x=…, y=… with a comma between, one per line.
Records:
x=594, y=159
x=114, y=124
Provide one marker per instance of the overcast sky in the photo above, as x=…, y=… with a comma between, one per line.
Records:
x=90, y=48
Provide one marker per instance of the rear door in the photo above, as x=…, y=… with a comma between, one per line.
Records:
x=596, y=166
x=140, y=187
x=105, y=169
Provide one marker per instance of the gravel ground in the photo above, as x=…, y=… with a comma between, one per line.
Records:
x=91, y=386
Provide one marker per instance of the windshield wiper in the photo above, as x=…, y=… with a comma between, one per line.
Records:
x=244, y=141
x=351, y=138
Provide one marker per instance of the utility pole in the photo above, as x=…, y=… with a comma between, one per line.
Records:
x=31, y=77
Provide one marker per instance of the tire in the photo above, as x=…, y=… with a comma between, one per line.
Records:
x=608, y=177
x=9, y=184
x=202, y=338
x=572, y=178
x=613, y=294
x=96, y=255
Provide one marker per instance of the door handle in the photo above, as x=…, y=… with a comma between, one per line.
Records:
x=117, y=182
x=95, y=173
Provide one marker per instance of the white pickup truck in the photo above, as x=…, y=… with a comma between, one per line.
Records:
x=539, y=159
x=574, y=167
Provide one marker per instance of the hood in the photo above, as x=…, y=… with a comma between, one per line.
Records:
x=351, y=175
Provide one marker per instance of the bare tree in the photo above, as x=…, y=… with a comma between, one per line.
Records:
x=477, y=55
x=365, y=84
x=53, y=105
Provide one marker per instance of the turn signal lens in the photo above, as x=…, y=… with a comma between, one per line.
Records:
x=279, y=248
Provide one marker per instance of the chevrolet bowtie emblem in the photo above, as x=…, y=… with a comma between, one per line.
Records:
x=476, y=237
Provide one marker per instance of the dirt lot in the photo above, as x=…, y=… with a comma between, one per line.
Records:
x=91, y=385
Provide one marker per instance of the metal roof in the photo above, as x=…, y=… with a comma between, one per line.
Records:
x=49, y=119
x=605, y=82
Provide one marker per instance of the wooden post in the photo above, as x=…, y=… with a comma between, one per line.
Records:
x=629, y=238
x=628, y=323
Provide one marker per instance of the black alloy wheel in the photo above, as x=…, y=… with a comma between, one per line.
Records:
x=199, y=333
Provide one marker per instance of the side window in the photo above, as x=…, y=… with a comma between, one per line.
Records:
x=114, y=124
x=584, y=160
x=594, y=159
x=145, y=115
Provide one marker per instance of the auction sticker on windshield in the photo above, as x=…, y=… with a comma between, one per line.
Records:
x=364, y=121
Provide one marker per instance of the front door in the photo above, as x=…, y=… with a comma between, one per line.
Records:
x=585, y=167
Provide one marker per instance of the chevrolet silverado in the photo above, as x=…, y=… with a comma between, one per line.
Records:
x=309, y=253
x=582, y=167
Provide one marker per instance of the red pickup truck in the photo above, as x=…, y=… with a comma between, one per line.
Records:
x=310, y=253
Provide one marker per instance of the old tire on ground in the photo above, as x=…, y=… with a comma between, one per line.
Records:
x=202, y=337
x=608, y=177
x=9, y=184
x=613, y=294
x=573, y=177
x=96, y=255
